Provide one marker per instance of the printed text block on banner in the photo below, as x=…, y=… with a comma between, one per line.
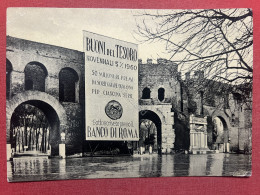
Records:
x=111, y=88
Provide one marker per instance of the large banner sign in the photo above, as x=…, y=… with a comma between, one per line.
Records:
x=111, y=88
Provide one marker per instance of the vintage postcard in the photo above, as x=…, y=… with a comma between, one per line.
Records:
x=118, y=93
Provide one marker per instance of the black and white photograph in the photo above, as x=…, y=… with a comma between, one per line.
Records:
x=120, y=93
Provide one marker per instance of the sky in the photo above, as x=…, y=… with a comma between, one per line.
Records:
x=64, y=27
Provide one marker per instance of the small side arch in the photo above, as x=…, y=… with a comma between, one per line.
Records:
x=161, y=94
x=9, y=69
x=35, y=75
x=146, y=93
x=68, y=85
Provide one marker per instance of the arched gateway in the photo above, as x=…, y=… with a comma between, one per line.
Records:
x=151, y=133
x=162, y=118
x=221, y=131
x=52, y=109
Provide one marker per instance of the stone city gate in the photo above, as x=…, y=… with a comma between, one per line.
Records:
x=156, y=133
x=51, y=79
x=162, y=117
x=53, y=110
x=222, y=141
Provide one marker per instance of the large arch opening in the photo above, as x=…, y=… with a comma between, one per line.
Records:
x=9, y=69
x=220, y=135
x=35, y=75
x=49, y=106
x=150, y=131
x=68, y=85
x=34, y=129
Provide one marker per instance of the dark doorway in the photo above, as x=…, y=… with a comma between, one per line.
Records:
x=161, y=92
x=182, y=134
x=68, y=79
x=146, y=93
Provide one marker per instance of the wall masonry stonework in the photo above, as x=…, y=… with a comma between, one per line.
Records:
x=184, y=97
x=155, y=76
x=173, y=108
x=22, y=52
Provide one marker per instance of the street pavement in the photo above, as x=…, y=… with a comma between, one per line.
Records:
x=37, y=169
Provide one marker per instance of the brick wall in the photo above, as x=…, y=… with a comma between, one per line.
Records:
x=42, y=63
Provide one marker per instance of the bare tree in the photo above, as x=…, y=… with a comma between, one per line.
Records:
x=219, y=42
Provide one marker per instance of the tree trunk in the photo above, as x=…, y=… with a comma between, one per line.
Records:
x=22, y=141
x=49, y=137
x=30, y=137
x=45, y=139
x=19, y=141
x=25, y=133
x=42, y=144
x=37, y=138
